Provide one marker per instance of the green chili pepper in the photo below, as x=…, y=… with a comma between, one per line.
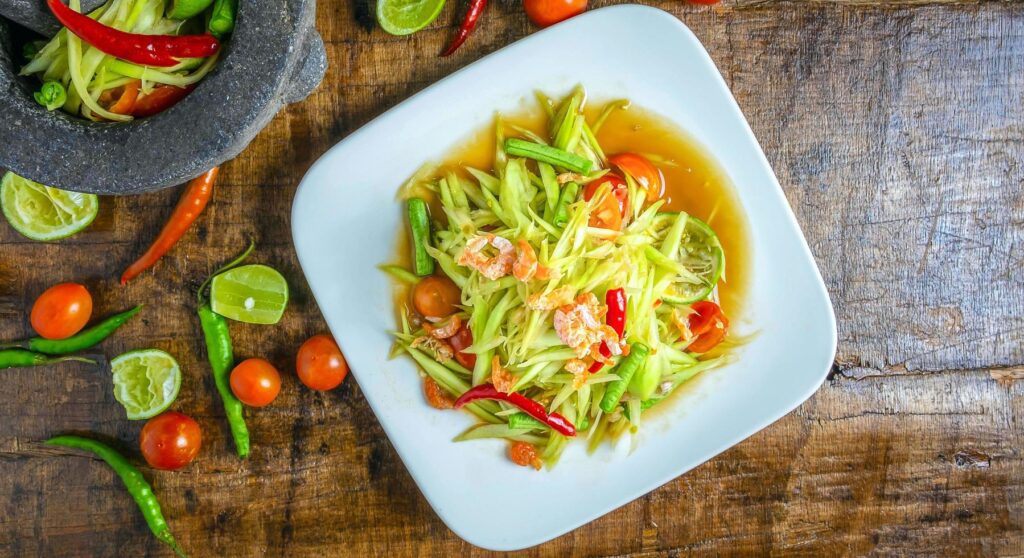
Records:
x=523, y=421
x=548, y=154
x=140, y=490
x=18, y=358
x=221, y=357
x=51, y=95
x=83, y=340
x=625, y=370
x=222, y=18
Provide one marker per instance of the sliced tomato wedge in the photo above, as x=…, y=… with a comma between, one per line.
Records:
x=647, y=175
x=705, y=313
x=462, y=339
x=122, y=99
x=159, y=100
x=609, y=214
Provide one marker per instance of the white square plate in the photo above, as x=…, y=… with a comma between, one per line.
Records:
x=345, y=221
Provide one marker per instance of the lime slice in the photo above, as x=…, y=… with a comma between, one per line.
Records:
x=44, y=213
x=146, y=382
x=402, y=17
x=700, y=252
x=184, y=9
x=254, y=294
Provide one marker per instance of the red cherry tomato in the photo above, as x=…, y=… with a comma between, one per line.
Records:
x=320, y=364
x=436, y=297
x=709, y=324
x=643, y=171
x=170, y=440
x=550, y=12
x=602, y=216
x=460, y=341
x=255, y=382
x=61, y=311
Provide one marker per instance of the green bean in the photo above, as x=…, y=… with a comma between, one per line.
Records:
x=625, y=370
x=419, y=226
x=20, y=358
x=140, y=490
x=548, y=154
x=221, y=357
x=85, y=339
x=569, y=193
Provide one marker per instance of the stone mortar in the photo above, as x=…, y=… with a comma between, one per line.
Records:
x=274, y=57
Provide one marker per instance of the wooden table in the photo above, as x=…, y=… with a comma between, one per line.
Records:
x=895, y=129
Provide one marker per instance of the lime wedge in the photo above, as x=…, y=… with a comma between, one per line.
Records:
x=702, y=254
x=184, y=9
x=146, y=382
x=44, y=213
x=402, y=17
x=254, y=294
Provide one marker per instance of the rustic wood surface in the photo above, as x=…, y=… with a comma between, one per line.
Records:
x=897, y=131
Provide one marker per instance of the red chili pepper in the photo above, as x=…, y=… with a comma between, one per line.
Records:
x=191, y=204
x=476, y=9
x=556, y=421
x=147, y=50
x=616, y=317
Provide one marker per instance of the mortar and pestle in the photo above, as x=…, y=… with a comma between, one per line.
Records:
x=274, y=57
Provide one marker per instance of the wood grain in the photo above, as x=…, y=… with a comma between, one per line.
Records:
x=896, y=131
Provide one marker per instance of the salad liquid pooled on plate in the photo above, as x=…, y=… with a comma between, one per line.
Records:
x=694, y=182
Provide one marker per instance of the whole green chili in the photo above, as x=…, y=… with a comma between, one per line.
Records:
x=19, y=358
x=137, y=486
x=221, y=356
x=85, y=339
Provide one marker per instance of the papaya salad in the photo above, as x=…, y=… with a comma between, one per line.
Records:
x=557, y=295
x=128, y=58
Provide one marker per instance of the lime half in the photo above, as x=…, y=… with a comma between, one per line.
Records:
x=254, y=294
x=403, y=17
x=185, y=9
x=146, y=382
x=44, y=213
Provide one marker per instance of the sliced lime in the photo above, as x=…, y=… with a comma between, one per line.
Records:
x=700, y=252
x=43, y=213
x=146, y=382
x=254, y=294
x=403, y=17
x=185, y=9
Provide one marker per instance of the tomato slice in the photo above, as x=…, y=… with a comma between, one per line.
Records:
x=462, y=339
x=159, y=100
x=647, y=175
x=121, y=100
x=609, y=214
x=705, y=314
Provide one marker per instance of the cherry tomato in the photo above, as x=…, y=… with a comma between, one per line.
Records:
x=61, y=311
x=550, y=12
x=255, y=382
x=608, y=215
x=709, y=324
x=643, y=171
x=705, y=313
x=462, y=339
x=170, y=440
x=436, y=297
x=320, y=364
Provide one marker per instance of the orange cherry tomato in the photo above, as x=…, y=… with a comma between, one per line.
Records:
x=643, y=171
x=550, y=12
x=170, y=440
x=607, y=215
x=436, y=297
x=602, y=217
x=462, y=339
x=705, y=313
x=709, y=324
x=61, y=311
x=255, y=382
x=320, y=364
